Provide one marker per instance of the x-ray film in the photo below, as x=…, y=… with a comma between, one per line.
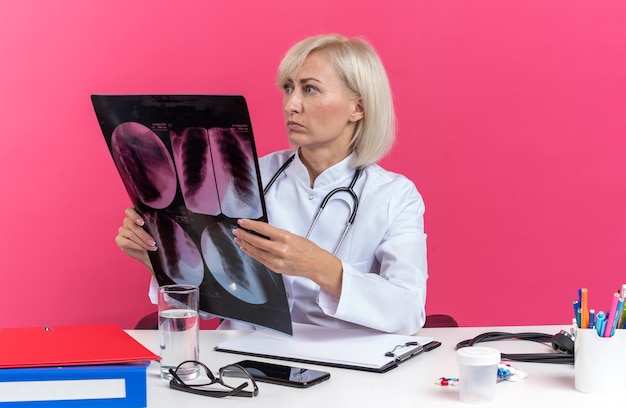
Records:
x=189, y=165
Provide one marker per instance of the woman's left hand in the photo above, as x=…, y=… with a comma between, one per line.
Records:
x=290, y=254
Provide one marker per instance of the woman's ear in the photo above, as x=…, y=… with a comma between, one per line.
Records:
x=357, y=111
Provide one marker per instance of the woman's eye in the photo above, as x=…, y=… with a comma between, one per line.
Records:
x=309, y=89
x=287, y=88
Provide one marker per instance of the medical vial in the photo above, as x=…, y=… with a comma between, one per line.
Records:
x=478, y=374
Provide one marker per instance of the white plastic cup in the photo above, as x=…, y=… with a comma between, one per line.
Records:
x=600, y=362
x=478, y=374
x=178, y=329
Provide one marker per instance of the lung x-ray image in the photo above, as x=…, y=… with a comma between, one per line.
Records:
x=190, y=167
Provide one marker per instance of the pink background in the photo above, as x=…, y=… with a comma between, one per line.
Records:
x=512, y=123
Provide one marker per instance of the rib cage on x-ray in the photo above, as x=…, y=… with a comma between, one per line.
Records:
x=145, y=165
x=180, y=256
x=193, y=160
x=216, y=171
x=230, y=269
x=216, y=176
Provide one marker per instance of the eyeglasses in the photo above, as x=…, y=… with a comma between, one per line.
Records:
x=228, y=376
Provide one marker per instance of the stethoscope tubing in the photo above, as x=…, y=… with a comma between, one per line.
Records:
x=349, y=190
x=278, y=173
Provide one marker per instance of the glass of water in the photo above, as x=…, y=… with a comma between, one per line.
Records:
x=178, y=329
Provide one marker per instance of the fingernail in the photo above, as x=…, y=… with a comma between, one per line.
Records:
x=140, y=222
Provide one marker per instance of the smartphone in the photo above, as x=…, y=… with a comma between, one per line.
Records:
x=284, y=375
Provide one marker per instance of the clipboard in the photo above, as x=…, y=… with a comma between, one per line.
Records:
x=358, y=349
x=75, y=345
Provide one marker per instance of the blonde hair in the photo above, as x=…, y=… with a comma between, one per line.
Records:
x=363, y=73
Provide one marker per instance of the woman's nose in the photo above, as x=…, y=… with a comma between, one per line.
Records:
x=292, y=103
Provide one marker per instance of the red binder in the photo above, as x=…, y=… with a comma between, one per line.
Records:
x=69, y=346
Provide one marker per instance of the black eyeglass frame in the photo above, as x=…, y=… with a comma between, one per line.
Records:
x=178, y=384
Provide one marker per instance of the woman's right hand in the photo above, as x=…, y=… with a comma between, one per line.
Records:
x=133, y=239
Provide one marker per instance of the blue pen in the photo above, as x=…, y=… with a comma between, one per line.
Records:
x=592, y=314
x=600, y=322
x=580, y=296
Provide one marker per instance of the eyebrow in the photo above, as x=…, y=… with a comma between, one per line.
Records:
x=303, y=80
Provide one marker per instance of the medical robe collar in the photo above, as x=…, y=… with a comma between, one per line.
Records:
x=332, y=175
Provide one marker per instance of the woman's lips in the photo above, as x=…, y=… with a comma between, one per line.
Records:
x=293, y=125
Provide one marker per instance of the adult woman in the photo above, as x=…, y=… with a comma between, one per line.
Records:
x=339, y=117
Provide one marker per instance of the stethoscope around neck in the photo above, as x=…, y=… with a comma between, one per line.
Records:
x=349, y=189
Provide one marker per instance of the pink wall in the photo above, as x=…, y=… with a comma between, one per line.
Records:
x=512, y=122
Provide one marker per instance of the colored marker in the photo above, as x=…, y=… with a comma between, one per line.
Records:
x=600, y=322
x=580, y=296
x=622, y=293
x=620, y=315
x=584, y=310
x=592, y=318
x=615, y=319
x=612, y=316
x=575, y=303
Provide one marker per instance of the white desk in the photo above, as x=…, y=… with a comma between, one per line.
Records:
x=412, y=384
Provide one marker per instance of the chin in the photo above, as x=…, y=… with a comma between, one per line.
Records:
x=295, y=139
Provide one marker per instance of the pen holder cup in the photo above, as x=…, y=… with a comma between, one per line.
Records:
x=599, y=362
